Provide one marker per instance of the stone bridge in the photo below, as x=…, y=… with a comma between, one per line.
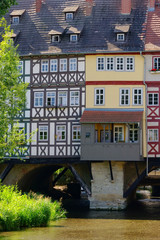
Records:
x=109, y=185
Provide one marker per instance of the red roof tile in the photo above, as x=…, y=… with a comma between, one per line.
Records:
x=91, y=116
x=153, y=30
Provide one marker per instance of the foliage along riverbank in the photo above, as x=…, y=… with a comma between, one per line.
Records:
x=19, y=210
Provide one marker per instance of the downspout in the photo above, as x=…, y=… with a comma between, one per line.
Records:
x=144, y=81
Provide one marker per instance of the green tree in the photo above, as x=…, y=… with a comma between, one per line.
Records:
x=5, y=5
x=12, y=93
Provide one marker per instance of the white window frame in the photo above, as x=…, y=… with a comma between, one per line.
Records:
x=15, y=20
x=76, y=132
x=96, y=94
x=44, y=66
x=130, y=64
x=73, y=64
x=74, y=99
x=155, y=65
x=138, y=95
x=63, y=65
x=119, y=126
x=38, y=97
x=43, y=129
x=20, y=67
x=51, y=95
x=53, y=65
x=59, y=133
x=100, y=63
x=151, y=133
x=62, y=98
x=73, y=37
x=55, y=38
x=153, y=99
x=125, y=94
x=69, y=16
x=133, y=129
x=109, y=64
x=120, y=37
x=119, y=64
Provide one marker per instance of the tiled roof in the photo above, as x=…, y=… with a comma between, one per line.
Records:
x=92, y=116
x=98, y=18
x=153, y=30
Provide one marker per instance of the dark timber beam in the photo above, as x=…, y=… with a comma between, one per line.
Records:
x=111, y=172
x=6, y=171
x=59, y=176
x=79, y=179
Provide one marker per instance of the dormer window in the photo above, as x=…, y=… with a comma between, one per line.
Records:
x=55, y=38
x=56, y=35
x=15, y=16
x=73, y=38
x=121, y=32
x=120, y=37
x=15, y=20
x=70, y=12
x=74, y=33
x=69, y=16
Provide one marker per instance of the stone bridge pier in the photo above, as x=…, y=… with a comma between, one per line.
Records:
x=114, y=183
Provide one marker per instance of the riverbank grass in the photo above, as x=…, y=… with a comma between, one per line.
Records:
x=19, y=210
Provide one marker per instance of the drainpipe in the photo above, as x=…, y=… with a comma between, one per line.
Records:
x=144, y=78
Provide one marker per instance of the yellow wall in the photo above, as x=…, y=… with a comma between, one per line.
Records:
x=93, y=75
x=112, y=96
x=112, y=92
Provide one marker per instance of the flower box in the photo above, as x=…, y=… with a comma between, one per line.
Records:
x=153, y=70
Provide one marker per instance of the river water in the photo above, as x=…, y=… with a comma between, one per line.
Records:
x=141, y=221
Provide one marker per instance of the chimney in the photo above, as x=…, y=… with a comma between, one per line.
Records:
x=126, y=6
x=152, y=4
x=39, y=5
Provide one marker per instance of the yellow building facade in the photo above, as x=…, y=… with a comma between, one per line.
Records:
x=116, y=83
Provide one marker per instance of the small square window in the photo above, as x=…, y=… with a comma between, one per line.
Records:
x=61, y=133
x=99, y=96
x=15, y=20
x=43, y=133
x=53, y=65
x=44, y=66
x=55, y=38
x=153, y=135
x=69, y=15
x=51, y=99
x=73, y=38
x=100, y=64
x=120, y=37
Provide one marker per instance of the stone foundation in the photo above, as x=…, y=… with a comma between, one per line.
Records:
x=106, y=193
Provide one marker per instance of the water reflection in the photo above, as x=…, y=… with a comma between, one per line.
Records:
x=138, y=222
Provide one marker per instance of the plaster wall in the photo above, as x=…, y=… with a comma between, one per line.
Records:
x=93, y=75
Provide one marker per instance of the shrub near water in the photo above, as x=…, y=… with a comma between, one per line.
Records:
x=17, y=210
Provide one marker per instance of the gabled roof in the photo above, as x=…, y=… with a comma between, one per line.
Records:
x=17, y=12
x=122, y=28
x=104, y=116
x=75, y=30
x=71, y=9
x=56, y=32
x=98, y=18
